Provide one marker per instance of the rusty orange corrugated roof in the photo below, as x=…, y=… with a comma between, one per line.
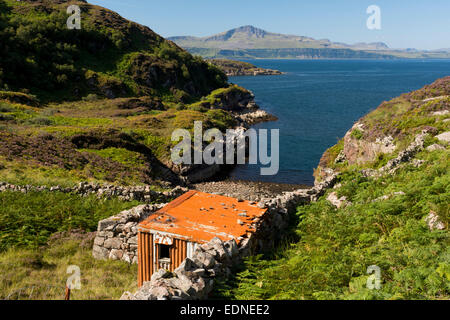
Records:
x=199, y=217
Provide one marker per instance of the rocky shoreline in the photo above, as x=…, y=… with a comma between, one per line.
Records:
x=254, y=72
x=252, y=117
x=247, y=190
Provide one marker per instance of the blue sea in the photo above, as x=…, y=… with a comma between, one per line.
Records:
x=317, y=101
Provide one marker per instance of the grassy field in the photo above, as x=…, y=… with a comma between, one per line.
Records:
x=41, y=274
x=28, y=220
x=43, y=233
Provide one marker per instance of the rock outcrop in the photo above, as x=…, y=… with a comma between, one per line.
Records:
x=386, y=131
x=241, y=104
x=252, y=117
x=404, y=156
x=336, y=201
x=434, y=222
x=358, y=151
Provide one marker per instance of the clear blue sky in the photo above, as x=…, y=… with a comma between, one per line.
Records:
x=421, y=24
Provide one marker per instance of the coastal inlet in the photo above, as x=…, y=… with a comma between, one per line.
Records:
x=316, y=101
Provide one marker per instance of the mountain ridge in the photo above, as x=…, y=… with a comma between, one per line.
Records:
x=244, y=38
x=250, y=32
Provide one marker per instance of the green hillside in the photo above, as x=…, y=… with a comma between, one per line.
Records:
x=109, y=56
x=100, y=103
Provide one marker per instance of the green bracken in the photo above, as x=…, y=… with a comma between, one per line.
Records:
x=337, y=246
x=28, y=220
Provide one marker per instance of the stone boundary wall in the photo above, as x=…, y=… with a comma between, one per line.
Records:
x=194, y=278
x=116, y=236
x=139, y=193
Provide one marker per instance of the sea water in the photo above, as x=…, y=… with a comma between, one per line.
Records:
x=317, y=101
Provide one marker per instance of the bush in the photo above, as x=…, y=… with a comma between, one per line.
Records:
x=4, y=107
x=357, y=134
x=40, y=121
x=91, y=97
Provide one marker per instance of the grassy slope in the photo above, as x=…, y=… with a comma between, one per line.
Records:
x=103, y=140
x=335, y=247
x=42, y=274
x=34, y=263
x=402, y=118
x=95, y=104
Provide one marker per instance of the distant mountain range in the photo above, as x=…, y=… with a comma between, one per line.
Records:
x=252, y=42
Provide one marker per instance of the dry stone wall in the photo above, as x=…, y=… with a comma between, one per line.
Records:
x=116, y=236
x=139, y=193
x=403, y=157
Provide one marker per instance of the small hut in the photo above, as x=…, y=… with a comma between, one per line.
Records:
x=171, y=235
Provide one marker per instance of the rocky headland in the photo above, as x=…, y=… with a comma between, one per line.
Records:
x=233, y=68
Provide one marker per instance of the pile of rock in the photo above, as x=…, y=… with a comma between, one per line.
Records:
x=291, y=200
x=434, y=221
x=336, y=201
x=116, y=236
x=139, y=193
x=194, y=278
